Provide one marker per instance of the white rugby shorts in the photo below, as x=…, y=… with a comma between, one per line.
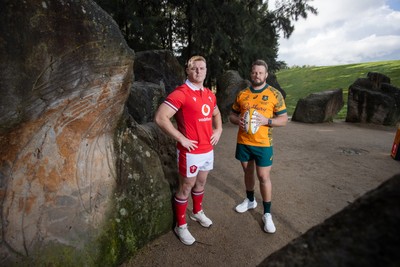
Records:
x=190, y=164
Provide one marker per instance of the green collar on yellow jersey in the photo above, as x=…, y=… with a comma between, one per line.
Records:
x=259, y=90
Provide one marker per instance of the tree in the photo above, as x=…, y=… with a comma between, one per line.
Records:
x=230, y=34
x=145, y=24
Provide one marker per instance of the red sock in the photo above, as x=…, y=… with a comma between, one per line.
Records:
x=180, y=210
x=197, y=201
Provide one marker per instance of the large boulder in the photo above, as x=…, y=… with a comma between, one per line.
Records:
x=157, y=73
x=81, y=184
x=373, y=100
x=145, y=173
x=144, y=100
x=228, y=85
x=319, y=107
x=159, y=67
x=165, y=148
x=365, y=233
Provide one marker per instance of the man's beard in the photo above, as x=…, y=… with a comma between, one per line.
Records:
x=254, y=83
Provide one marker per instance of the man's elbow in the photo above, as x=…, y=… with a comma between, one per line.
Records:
x=158, y=119
x=232, y=117
x=285, y=121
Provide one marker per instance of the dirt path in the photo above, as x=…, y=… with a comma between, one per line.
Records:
x=318, y=170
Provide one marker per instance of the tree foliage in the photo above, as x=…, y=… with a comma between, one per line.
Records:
x=230, y=34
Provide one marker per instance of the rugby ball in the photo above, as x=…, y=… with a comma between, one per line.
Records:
x=250, y=122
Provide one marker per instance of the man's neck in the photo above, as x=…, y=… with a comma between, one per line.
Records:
x=198, y=86
x=259, y=87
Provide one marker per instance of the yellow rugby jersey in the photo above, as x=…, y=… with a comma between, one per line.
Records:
x=269, y=102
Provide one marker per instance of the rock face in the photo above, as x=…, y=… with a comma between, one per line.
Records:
x=366, y=233
x=159, y=67
x=228, y=85
x=142, y=210
x=147, y=93
x=319, y=107
x=144, y=99
x=79, y=182
x=157, y=73
x=373, y=100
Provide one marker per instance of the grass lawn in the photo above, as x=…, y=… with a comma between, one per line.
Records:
x=300, y=82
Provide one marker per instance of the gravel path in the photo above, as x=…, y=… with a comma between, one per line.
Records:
x=318, y=170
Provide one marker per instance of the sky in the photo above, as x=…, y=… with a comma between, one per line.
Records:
x=344, y=32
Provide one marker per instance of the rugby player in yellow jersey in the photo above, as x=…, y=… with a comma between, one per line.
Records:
x=255, y=151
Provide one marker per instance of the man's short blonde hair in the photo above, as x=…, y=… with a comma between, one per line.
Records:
x=195, y=58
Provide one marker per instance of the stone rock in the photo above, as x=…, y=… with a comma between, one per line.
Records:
x=159, y=67
x=164, y=146
x=79, y=186
x=228, y=85
x=319, y=107
x=365, y=233
x=143, y=209
x=377, y=79
x=144, y=99
x=373, y=100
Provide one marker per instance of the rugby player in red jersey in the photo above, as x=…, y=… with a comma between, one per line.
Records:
x=199, y=128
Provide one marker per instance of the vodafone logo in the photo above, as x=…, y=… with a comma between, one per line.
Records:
x=205, y=109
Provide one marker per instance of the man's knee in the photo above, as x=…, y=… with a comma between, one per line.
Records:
x=264, y=179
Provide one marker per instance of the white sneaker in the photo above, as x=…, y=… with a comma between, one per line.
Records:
x=201, y=218
x=269, y=226
x=184, y=235
x=246, y=205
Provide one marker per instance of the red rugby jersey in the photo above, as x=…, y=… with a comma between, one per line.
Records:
x=194, y=108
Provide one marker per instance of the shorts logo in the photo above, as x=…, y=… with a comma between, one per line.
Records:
x=205, y=109
x=193, y=168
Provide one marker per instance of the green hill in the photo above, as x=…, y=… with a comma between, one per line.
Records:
x=300, y=82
